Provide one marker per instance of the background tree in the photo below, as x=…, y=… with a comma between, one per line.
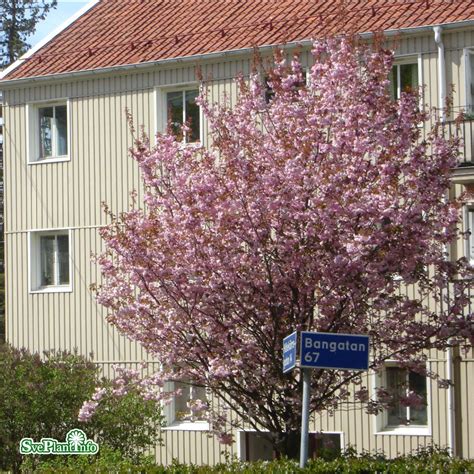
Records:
x=18, y=21
x=311, y=211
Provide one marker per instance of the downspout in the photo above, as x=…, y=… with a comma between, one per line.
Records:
x=451, y=415
x=441, y=72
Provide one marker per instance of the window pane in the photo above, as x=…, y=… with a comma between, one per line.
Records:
x=199, y=393
x=63, y=259
x=471, y=60
x=47, y=260
x=269, y=92
x=181, y=401
x=174, y=104
x=470, y=230
x=396, y=385
x=192, y=116
x=409, y=77
x=45, y=125
x=393, y=78
x=188, y=392
x=418, y=415
x=300, y=84
x=61, y=128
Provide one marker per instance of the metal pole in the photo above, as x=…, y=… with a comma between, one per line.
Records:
x=305, y=417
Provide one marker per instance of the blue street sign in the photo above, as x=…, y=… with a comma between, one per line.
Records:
x=334, y=351
x=289, y=352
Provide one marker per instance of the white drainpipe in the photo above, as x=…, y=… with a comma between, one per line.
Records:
x=441, y=71
x=449, y=356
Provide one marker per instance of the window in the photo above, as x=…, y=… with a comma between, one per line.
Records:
x=403, y=78
x=469, y=233
x=255, y=446
x=52, y=131
x=182, y=109
x=402, y=417
x=50, y=268
x=400, y=383
x=48, y=133
x=469, y=55
x=270, y=93
x=178, y=413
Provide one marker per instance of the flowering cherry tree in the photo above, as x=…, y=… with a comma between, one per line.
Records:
x=309, y=211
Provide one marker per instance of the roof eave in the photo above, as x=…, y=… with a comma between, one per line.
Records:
x=213, y=55
x=160, y=62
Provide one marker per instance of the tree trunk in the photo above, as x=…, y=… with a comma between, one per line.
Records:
x=12, y=35
x=288, y=445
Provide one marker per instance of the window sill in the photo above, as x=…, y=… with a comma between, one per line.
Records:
x=57, y=159
x=187, y=426
x=52, y=289
x=196, y=145
x=405, y=431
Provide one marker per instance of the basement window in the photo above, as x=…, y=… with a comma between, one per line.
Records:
x=256, y=446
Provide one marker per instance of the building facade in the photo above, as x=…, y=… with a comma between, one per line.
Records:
x=66, y=141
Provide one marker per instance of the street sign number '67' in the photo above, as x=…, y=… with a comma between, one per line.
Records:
x=320, y=350
x=334, y=351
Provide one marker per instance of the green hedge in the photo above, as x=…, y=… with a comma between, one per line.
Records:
x=425, y=461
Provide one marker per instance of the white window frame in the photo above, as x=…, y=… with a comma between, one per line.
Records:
x=468, y=54
x=242, y=449
x=161, y=111
x=32, y=133
x=169, y=412
x=34, y=261
x=409, y=59
x=381, y=426
x=467, y=209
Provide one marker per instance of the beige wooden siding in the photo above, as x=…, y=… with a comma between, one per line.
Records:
x=465, y=404
x=69, y=194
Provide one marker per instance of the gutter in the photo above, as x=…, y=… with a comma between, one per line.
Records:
x=206, y=56
x=161, y=62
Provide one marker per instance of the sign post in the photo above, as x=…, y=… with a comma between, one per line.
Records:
x=319, y=350
x=306, y=373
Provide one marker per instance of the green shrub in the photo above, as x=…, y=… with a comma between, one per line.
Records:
x=108, y=460
x=128, y=425
x=41, y=397
x=426, y=461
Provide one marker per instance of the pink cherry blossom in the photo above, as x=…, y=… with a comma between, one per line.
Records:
x=310, y=212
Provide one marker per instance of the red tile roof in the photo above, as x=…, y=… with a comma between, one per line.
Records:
x=120, y=32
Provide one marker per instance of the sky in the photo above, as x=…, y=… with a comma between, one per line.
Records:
x=55, y=18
